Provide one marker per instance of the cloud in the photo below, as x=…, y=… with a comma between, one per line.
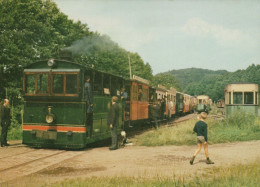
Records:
x=124, y=33
x=223, y=36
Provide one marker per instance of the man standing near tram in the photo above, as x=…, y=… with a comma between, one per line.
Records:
x=5, y=122
x=89, y=106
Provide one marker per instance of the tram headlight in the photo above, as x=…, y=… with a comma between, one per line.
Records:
x=49, y=118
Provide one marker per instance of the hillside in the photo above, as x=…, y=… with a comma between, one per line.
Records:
x=191, y=76
x=196, y=81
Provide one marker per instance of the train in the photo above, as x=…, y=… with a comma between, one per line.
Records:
x=241, y=96
x=203, y=103
x=55, y=108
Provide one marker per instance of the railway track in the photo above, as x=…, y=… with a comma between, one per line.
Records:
x=15, y=154
x=23, y=164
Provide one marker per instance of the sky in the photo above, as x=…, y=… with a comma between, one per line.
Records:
x=177, y=34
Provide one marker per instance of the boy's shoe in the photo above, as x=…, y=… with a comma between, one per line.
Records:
x=209, y=161
x=192, y=160
x=112, y=148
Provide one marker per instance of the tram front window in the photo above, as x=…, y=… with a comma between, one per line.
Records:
x=58, y=83
x=30, y=84
x=249, y=97
x=42, y=83
x=71, y=84
x=65, y=84
x=36, y=83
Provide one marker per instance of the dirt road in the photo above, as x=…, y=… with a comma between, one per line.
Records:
x=21, y=164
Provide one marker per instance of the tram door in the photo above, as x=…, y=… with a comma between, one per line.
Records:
x=134, y=102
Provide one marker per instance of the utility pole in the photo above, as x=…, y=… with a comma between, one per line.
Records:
x=130, y=72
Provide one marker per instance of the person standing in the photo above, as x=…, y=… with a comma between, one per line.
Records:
x=113, y=122
x=123, y=95
x=5, y=122
x=89, y=106
x=202, y=137
x=155, y=109
x=163, y=107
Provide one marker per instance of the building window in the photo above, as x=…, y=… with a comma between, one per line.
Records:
x=237, y=97
x=248, y=98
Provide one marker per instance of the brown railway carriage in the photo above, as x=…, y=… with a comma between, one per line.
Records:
x=161, y=93
x=193, y=103
x=187, y=100
x=171, y=96
x=137, y=104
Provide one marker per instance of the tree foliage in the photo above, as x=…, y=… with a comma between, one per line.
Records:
x=104, y=54
x=166, y=80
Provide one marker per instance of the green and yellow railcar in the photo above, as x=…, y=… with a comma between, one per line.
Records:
x=203, y=103
x=55, y=108
x=241, y=97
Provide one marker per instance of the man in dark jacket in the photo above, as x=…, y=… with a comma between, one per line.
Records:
x=88, y=95
x=202, y=137
x=113, y=122
x=5, y=122
x=155, y=112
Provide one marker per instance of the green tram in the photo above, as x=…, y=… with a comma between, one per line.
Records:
x=54, y=105
x=203, y=104
x=241, y=97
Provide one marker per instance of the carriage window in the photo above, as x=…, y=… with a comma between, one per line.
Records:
x=42, y=83
x=145, y=94
x=97, y=85
x=58, y=83
x=249, y=98
x=237, y=98
x=71, y=84
x=134, y=92
x=200, y=101
x=140, y=93
x=30, y=84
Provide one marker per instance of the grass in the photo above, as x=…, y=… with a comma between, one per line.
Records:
x=236, y=175
x=238, y=127
x=14, y=133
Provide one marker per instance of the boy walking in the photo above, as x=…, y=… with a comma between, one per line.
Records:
x=201, y=129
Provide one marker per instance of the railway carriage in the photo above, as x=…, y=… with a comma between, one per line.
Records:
x=136, y=109
x=203, y=103
x=179, y=103
x=55, y=108
x=193, y=103
x=171, y=96
x=161, y=93
x=187, y=101
x=220, y=103
x=241, y=96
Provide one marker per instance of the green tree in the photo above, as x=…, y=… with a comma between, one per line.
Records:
x=166, y=80
x=30, y=31
x=104, y=54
